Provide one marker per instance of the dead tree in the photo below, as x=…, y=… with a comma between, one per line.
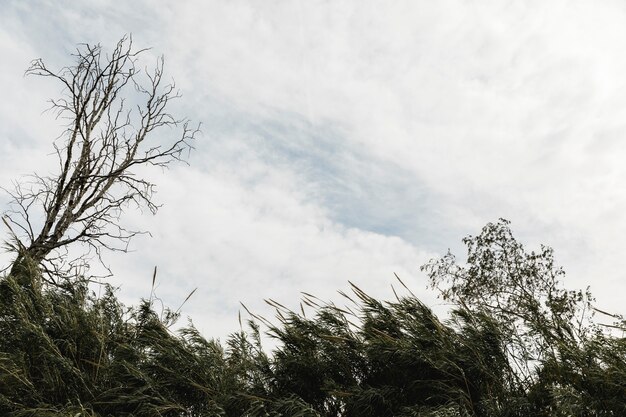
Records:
x=105, y=143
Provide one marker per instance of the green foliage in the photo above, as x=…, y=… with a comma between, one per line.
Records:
x=68, y=351
x=516, y=343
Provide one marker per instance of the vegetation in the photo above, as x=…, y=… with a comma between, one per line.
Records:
x=512, y=353
x=516, y=343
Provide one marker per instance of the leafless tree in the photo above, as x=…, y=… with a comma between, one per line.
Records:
x=105, y=143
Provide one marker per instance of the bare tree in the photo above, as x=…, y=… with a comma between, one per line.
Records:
x=105, y=143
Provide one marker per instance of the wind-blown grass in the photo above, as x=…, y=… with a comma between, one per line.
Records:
x=65, y=351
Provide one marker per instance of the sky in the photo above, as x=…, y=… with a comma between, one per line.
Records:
x=350, y=140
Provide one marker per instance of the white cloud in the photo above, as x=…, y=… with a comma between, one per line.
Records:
x=241, y=243
x=347, y=139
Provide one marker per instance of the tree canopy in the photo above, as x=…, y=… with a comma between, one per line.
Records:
x=504, y=351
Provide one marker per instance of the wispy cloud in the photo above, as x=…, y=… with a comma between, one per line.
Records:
x=348, y=140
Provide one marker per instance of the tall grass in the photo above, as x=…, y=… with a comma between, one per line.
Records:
x=66, y=351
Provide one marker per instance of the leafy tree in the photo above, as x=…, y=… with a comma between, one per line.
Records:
x=555, y=356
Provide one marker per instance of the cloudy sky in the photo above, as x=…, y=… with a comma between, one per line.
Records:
x=351, y=140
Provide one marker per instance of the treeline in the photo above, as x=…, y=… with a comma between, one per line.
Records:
x=516, y=344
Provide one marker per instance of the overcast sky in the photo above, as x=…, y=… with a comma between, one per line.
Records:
x=351, y=140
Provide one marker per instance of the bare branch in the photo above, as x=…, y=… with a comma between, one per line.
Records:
x=103, y=144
